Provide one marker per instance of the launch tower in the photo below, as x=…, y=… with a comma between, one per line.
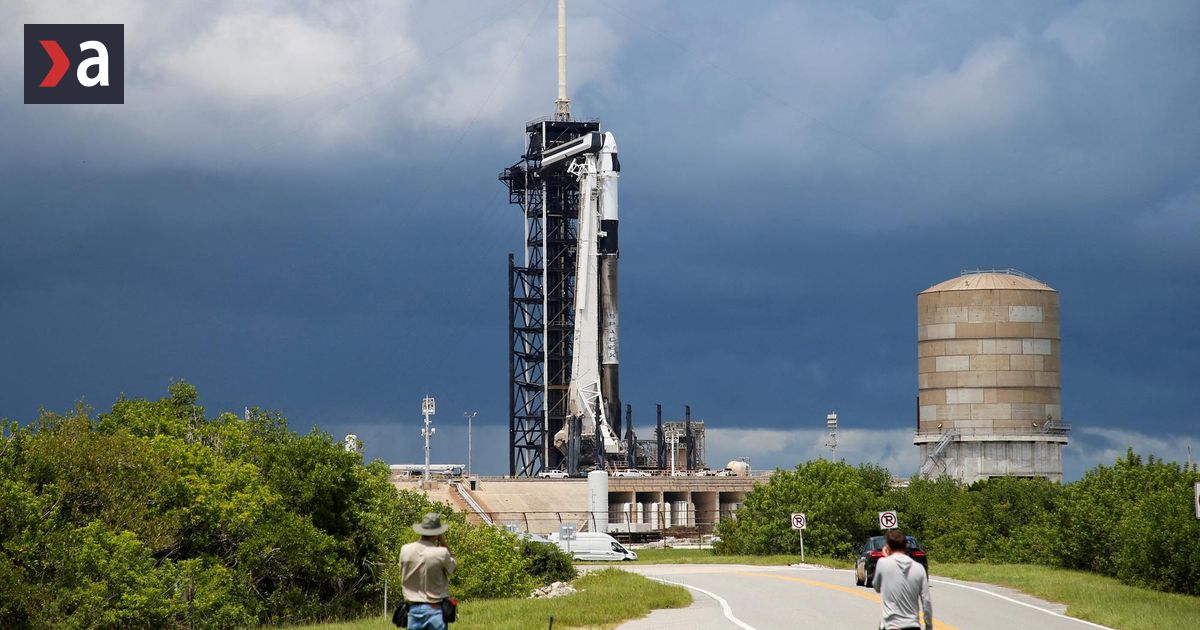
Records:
x=564, y=405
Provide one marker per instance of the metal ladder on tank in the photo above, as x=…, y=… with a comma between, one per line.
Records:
x=935, y=454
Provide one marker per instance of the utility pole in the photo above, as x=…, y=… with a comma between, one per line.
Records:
x=469, y=416
x=428, y=407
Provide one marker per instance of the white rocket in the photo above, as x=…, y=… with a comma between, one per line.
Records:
x=594, y=391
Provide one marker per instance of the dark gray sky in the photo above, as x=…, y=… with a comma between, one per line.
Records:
x=297, y=208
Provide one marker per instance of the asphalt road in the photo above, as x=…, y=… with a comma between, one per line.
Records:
x=742, y=597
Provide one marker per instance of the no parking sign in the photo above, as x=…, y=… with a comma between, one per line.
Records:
x=888, y=520
x=800, y=522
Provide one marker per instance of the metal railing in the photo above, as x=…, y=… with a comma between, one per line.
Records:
x=696, y=526
x=650, y=474
x=1054, y=428
x=1009, y=271
x=471, y=503
x=935, y=455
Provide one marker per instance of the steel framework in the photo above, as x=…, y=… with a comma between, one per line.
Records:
x=541, y=298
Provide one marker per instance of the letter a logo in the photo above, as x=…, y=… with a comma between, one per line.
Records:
x=96, y=53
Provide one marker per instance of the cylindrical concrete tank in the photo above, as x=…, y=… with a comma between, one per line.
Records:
x=988, y=376
x=685, y=514
x=598, y=499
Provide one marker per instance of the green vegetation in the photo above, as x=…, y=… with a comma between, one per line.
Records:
x=606, y=599
x=1132, y=521
x=154, y=515
x=548, y=563
x=1099, y=599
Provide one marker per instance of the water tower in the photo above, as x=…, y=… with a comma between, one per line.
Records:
x=989, y=399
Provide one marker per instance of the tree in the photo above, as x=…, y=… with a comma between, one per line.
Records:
x=836, y=497
x=155, y=515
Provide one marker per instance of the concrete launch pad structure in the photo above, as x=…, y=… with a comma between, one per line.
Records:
x=663, y=505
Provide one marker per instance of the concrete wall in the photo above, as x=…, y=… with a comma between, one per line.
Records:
x=540, y=505
x=974, y=460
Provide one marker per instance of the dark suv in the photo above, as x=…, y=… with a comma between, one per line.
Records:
x=872, y=551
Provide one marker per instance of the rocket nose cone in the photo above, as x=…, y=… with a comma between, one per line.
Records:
x=610, y=143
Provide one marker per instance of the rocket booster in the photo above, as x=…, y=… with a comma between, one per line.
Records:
x=593, y=392
x=608, y=173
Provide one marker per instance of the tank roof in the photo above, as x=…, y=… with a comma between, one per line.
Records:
x=991, y=279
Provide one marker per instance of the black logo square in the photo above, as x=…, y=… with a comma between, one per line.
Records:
x=74, y=63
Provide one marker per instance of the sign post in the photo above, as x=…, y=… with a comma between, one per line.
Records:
x=566, y=531
x=888, y=520
x=800, y=523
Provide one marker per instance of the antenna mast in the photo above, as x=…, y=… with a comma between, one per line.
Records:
x=831, y=423
x=562, y=106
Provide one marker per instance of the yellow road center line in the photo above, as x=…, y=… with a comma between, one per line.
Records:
x=856, y=591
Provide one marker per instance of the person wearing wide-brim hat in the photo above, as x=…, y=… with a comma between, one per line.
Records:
x=425, y=568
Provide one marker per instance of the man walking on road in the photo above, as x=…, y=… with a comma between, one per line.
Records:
x=901, y=584
x=425, y=566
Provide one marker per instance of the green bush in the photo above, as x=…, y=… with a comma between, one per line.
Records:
x=155, y=515
x=547, y=563
x=1132, y=520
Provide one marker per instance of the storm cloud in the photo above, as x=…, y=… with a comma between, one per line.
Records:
x=297, y=208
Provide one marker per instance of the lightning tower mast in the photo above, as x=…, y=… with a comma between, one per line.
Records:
x=562, y=106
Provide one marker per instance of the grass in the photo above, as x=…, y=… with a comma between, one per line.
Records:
x=706, y=556
x=606, y=599
x=1096, y=598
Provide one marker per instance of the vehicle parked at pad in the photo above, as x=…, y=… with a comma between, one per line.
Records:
x=593, y=546
x=631, y=473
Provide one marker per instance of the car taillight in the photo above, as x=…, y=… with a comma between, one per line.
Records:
x=918, y=554
x=875, y=554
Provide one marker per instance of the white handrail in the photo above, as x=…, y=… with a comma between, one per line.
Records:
x=470, y=501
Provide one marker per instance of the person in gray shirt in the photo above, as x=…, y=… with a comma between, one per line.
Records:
x=902, y=584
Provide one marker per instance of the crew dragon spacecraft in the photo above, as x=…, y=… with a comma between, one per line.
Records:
x=594, y=391
x=564, y=373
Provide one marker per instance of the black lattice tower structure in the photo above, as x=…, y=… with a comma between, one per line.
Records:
x=541, y=288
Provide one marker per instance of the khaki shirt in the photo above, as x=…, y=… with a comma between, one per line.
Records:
x=425, y=569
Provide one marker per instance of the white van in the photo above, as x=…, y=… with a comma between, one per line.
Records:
x=593, y=546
